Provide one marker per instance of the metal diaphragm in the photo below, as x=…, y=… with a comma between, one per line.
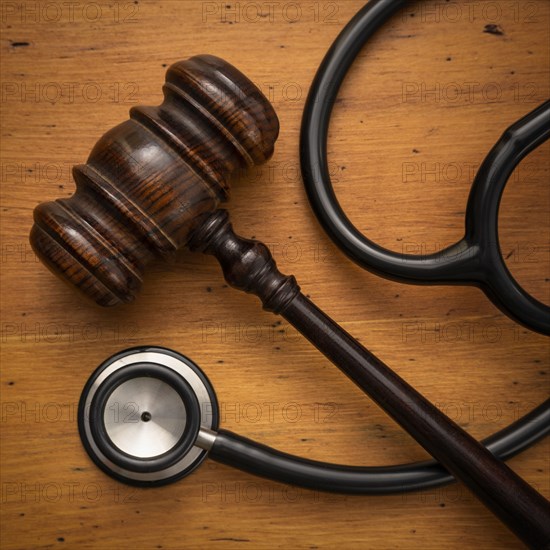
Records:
x=140, y=414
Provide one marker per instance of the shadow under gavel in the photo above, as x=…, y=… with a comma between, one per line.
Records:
x=152, y=185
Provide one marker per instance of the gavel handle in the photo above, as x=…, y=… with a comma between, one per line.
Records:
x=525, y=511
x=249, y=266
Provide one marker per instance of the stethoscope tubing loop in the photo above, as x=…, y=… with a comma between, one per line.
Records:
x=474, y=260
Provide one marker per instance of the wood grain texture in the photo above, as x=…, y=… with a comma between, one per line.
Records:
x=423, y=105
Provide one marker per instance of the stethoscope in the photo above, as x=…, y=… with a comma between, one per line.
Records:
x=149, y=416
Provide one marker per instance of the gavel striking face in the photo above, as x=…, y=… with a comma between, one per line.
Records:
x=150, y=180
x=152, y=185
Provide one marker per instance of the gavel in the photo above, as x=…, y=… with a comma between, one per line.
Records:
x=152, y=186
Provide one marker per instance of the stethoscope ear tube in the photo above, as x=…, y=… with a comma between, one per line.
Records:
x=477, y=258
x=493, y=276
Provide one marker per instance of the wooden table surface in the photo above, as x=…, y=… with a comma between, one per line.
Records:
x=425, y=102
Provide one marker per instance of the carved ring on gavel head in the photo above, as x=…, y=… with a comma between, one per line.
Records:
x=149, y=180
x=153, y=184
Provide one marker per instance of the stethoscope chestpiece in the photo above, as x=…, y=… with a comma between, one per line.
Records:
x=141, y=412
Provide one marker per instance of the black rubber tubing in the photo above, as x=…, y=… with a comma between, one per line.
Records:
x=476, y=259
x=261, y=460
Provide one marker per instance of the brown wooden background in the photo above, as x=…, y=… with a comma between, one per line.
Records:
x=426, y=100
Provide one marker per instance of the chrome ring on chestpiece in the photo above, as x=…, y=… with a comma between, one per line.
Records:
x=142, y=412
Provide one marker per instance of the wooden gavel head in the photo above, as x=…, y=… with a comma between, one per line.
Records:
x=148, y=180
